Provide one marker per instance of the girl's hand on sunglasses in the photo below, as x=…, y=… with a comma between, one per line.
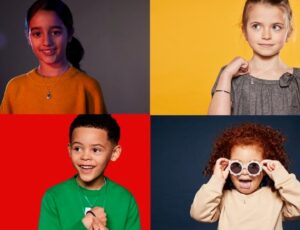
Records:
x=221, y=169
x=269, y=166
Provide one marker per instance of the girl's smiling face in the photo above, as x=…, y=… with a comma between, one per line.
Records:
x=245, y=183
x=48, y=38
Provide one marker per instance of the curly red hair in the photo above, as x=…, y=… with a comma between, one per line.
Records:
x=271, y=141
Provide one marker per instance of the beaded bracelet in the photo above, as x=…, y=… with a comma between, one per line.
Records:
x=220, y=90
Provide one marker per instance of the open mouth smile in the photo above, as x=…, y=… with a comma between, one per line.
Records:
x=86, y=168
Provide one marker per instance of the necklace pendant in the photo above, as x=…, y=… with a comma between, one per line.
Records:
x=86, y=210
x=49, y=95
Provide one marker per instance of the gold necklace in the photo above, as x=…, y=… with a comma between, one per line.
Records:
x=49, y=94
x=49, y=91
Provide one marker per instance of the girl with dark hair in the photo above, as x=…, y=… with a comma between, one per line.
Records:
x=264, y=85
x=57, y=85
x=250, y=187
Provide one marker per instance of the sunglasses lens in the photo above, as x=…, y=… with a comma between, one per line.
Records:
x=253, y=168
x=236, y=167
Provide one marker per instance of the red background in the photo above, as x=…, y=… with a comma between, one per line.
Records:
x=34, y=157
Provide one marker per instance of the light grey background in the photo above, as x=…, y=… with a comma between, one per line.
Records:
x=115, y=36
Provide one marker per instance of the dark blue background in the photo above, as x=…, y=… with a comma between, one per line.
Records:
x=181, y=147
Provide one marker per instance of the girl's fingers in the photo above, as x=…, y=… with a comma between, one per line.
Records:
x=265, y=168
x=222, y=160
x=222, y=163
x=270, y=164
x=226, y=172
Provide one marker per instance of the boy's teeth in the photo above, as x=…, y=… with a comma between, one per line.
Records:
x=86, y=166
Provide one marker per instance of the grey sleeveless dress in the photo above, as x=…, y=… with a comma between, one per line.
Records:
x=253, y=96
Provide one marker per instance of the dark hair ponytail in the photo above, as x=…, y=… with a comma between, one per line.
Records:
x=74, y=50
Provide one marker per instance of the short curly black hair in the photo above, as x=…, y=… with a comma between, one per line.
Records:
x=101, y=121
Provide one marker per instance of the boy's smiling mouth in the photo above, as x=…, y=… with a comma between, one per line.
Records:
x=86, y=168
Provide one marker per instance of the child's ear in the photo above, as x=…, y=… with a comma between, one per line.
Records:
x=27, y=38
x=245, y=34
x=69, y=149
x=288, y=35
x=116, y=153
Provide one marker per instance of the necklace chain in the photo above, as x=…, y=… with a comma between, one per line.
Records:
x=81, y=192
x=49, y=91
x=87, y=199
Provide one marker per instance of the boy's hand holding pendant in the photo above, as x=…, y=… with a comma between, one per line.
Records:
x=95, y=219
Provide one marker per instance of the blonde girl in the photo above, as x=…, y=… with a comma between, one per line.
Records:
x=263, y=85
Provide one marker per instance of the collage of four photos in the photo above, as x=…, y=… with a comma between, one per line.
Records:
x=148, y=114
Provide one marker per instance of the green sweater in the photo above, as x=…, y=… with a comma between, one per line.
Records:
x=63, y=206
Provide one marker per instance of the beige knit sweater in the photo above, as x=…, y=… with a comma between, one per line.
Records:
x=264, y=209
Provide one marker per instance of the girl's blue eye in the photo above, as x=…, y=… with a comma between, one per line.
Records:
x=277, y=27
x=256, y=26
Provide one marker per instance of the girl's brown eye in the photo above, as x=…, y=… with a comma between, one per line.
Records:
x=56, y=33
x=36, y=34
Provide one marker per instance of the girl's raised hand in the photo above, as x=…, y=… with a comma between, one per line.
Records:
x=269, y=166
x=238, y=66
x=221, y=168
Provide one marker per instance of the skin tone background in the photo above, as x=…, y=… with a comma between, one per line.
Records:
x=35, y=158
x=180, y=149
x=115, y=36
x=190, y=42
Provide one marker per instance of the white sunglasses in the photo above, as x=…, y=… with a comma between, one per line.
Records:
x=254, y=168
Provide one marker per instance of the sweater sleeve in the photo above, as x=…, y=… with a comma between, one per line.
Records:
x=133, y=219
x=206, y=204
x=96, y=103
x=49, y=216
x=5, y=107
x=289, y=189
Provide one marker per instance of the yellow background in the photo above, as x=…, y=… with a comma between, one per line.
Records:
x=190, y=41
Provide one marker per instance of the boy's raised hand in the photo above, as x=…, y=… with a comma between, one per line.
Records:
x=221, y=168
x=100, y=214
x=270, y=165
x=95, y=223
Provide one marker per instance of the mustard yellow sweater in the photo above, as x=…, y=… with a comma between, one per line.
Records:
x=74, y=92
x=264, y=209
